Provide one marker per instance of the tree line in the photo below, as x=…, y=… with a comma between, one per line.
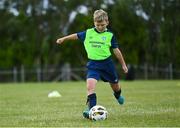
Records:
x=147, y=31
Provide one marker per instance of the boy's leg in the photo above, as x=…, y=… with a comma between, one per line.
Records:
x=117, y=92
x=91, y=95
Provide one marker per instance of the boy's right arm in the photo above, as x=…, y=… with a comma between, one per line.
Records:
x=69, y=37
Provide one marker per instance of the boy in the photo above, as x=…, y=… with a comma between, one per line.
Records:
x=97, y=42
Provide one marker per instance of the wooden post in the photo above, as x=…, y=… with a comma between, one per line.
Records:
x=170, y=71
x=22, y=74
x=145, y=71
x=15, y=74
x=38, y=71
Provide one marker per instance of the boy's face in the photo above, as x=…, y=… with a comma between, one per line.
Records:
x=101, y=26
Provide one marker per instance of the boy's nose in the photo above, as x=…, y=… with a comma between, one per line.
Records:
x=100, y=28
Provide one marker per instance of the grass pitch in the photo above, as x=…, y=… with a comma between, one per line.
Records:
x=148, y=103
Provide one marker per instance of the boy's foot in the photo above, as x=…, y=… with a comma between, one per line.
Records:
x=86, y=113
x=121, y=100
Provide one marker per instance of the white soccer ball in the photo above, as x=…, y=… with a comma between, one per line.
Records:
x=98, y=112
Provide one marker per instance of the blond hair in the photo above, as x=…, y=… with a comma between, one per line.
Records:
x=100, y=15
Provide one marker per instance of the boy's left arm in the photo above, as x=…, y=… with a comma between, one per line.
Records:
x=120, y=58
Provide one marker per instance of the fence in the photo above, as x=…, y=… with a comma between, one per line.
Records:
x=67, y=73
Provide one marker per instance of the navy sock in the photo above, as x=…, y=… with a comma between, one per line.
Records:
x=117, y=94
x=91, y=100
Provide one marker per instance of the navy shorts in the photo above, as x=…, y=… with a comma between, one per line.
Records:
x=103, y=69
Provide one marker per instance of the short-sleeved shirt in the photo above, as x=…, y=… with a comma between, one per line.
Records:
x=103, y=69
x=82, y=36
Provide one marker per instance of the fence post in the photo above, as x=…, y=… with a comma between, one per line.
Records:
x=38, y=70
x=145, y=71
x=170, y=71
x=22, y=74
x=15, y=74
x=66, y=72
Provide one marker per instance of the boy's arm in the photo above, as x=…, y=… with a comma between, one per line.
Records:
x=68, y=37
x=120, y=58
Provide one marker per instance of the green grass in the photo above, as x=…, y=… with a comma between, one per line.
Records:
x=148, y=103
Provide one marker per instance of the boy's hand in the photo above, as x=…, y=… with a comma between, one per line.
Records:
x=124, y=67
x=60, y=40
